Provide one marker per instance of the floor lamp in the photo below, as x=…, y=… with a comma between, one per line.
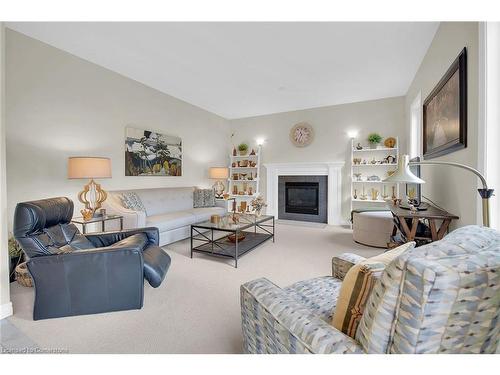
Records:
x=404, y=175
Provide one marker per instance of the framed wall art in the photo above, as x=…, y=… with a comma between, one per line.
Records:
x=149, y=153
x=445, y=112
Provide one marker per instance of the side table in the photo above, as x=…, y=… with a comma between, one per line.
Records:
x=98, y=219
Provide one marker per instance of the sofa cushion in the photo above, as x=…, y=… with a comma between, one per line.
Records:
x=169, y=221
x=166, y=200
x=156, y=265
x=357, y=286
x=203, y=198
x=203, y=214
x=319, y=295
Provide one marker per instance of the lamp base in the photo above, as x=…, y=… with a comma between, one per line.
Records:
x=92, y=196
x=219, y=189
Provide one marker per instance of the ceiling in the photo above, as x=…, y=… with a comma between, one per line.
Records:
x=248, y=69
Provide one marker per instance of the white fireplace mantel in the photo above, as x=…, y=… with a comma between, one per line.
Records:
x=331, y=169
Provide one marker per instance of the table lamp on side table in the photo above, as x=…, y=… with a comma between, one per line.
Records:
x=218, y=174
x=85, y=167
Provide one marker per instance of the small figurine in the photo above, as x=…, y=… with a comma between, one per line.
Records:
x=359, y=147
x=373, y=161
x=234, y=151
x=253, y=152
x=233, y=165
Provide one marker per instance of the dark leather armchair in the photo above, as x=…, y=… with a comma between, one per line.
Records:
x=77, y=274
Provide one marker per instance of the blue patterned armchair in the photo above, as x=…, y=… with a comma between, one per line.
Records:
x=440, y=298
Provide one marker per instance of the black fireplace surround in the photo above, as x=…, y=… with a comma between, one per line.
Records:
x=303, y=198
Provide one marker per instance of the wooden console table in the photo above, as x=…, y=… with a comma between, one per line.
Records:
x=432, y=215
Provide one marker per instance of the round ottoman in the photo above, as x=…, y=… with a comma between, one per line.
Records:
x=372, y=228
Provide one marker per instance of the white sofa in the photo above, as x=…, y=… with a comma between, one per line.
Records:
x=168, y=209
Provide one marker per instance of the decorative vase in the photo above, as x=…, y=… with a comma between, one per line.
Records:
x=243, y=152
x=234, y=151
x=373, y=145
x=258, y=212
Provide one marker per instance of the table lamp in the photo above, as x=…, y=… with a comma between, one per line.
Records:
x=92, y=195
x=404, y=175
x=218, y=174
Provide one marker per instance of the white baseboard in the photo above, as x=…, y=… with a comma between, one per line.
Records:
x=6, y=310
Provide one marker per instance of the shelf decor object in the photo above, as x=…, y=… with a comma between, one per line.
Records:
x=85, y=167
x=218, y=174
x=404, y=175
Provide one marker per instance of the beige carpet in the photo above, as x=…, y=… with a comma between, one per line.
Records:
x=196, y=309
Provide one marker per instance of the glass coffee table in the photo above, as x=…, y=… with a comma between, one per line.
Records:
x=228, y=239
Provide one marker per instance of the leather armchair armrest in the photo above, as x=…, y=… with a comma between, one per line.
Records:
x=87, y=282
x=343, y=263
x=109, y=238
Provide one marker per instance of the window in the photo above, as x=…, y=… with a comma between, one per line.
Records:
x=415, y=148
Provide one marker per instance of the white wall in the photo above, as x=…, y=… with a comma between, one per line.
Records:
x=59, y=105
x=331, y=143
x=5, y=304
x=452, y=188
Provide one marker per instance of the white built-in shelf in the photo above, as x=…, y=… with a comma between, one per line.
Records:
x=242, y=196
x=375, y=165
x=254, y=180
x=234, y=168
x=369, y=200
x=376, y=149
x=373, y=182
x=244, y=156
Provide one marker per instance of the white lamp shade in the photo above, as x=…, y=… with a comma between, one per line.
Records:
x=218, y=173
x=403, y=173
x=89, y=167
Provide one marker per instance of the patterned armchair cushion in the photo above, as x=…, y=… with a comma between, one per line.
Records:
x=357, y=286
x=204, y=198
x=342, y=263
x=319, y=295
x=439, y=298
x=273, y=321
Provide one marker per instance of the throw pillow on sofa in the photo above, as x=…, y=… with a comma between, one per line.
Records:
x=357, y=286
x=132, y=201
x=203, y=198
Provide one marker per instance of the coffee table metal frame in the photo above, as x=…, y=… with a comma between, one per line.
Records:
x=219, y=246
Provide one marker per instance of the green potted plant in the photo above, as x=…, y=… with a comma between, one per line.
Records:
x=243, y=149
x=374, y=139
x=16, y=257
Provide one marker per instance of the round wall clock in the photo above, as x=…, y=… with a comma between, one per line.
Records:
x=302, y=134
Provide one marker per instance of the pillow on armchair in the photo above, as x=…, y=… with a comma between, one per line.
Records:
x=357, y=286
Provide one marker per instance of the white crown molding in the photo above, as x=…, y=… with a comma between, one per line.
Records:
x=331, y=169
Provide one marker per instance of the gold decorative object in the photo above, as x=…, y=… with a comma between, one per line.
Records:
x=215, y=219
x=374, y=194
x=87, y=214
x=390, y=142
x=92, y=195
x=243, y=206
x=235, y=189
x=250, y=190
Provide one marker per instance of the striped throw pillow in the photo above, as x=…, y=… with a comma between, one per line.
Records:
x=357, y=286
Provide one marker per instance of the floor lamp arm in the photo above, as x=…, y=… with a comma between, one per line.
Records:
x=485, y=193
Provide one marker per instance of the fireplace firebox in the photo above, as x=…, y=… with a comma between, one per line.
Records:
x=302, y=197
